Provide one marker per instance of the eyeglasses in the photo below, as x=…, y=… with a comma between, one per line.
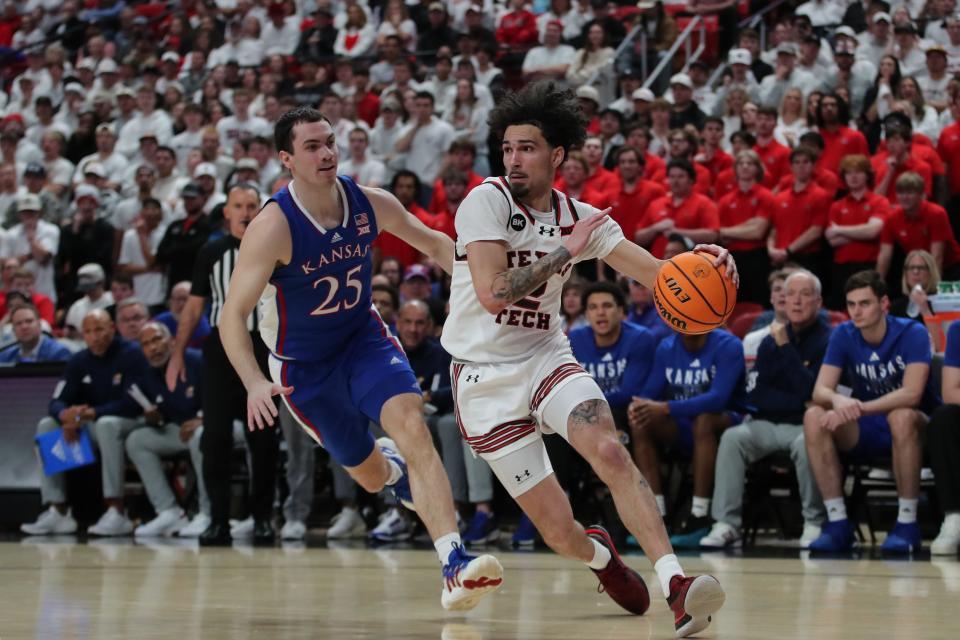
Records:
x=918, y=268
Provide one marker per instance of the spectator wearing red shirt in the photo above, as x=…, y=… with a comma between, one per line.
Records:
x=854, y=227
x=575, y=184
x=598, y=178
x=711, y=155
x=918, y=224
x=682, y=210
x=406, y=187
x=839, y=140
x=799, y=215
x=921, y=148
x=774, y=156
x=635, y=194
x=744, y=221
x=20, y=279
x=726, y=180
x=518, y=27
x=455, y=187
x=948, y=148
x=683, y=144
x=462, y=154
x=638, y=137
x=897, y=162
x=826, y=180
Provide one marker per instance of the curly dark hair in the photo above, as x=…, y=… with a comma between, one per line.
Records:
x=547, y=106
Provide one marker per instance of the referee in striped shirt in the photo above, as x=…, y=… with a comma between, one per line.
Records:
x=224, y=397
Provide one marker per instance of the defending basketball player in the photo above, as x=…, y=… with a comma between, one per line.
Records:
x=333, y=360
x=514, y=376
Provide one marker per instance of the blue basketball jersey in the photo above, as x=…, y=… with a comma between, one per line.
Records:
x=876, y=370
x=314, y=304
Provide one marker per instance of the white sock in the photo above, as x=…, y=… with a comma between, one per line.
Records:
x=700, y=507
x=836, y=509
x=395, y=473
x=445, y=544
x=667, y=567
x=908, y=511
x=601, y=556
x=661, y=505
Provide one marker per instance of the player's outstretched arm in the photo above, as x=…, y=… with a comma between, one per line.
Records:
x=392, y=217
x=265, y=243
x=635, y=262
x=498, y=286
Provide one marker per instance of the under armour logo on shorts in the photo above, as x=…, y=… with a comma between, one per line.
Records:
x=473, y=377
x=547, y=231
x=522, y=476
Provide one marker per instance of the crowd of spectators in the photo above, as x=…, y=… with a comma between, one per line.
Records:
x=827, y=148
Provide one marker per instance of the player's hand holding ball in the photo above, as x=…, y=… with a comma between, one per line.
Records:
x=696, y=291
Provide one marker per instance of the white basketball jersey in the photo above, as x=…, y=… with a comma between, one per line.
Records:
x=489, y=212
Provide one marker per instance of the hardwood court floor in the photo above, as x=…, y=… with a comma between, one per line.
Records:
x=105, y=591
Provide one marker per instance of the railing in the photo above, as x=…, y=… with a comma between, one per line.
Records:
x=626, y=42
x=683, y=40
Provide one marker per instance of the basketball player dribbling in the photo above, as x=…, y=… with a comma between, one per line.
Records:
x=514, y=376
x=307, y=258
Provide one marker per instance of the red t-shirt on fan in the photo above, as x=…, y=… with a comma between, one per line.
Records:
x=794, y=212
x=739, y=206
x=930, y=225
x=849, y=211
x=696, y=212
x=837, y=144
x=628, y=208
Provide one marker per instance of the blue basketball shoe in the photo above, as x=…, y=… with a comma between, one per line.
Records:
x=401, y=488
x=835, y=537
x=466, y=579
x=904, y=538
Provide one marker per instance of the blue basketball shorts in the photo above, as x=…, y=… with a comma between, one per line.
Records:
x=336, y=399
x=875, y=440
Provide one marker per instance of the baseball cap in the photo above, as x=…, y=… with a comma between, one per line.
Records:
x=390, y=105
x=643, y=94
x=787, y=48
x=149, y=133
x=96, y=169
x=740, y=56
x=107, y=65
x=436, y=6
x=205, y=169
x=29, y=202
x=106, y=127
x=845, y=48
x=935, y=47
x=170, y=56
x=86, y=191
x=89, y=276
x=844, y=30
x=682, y=79
x=125, y=92
x=35, y=169
x=246, y=163
x=416, y=271
x=73, y=87
x=588, y=93
x=476, y=8
x=87, y=63
x=191, y=190
x=882, y=16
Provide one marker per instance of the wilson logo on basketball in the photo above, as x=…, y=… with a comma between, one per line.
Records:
x=674, y=287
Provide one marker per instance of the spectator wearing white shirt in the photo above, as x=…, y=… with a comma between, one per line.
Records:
x=397, y=22
x=91, y=282
x=551, y=60
x=59, y=169
x=43, y=110
x=469, y=119
x=191, y=137
x=383, y=138
x=169, y=181
x=114, y=164
x=952, y=45
x=147, y=119
x=785, y=76
x=362, y=169
x=425, y=140
x=390, y=50
x=137, y=251
x=127, y=210
x=823, y=12
x=357, y=37
x=877, y=41
x=36, y=72
x=241, y=125
x=34, y=243
x=935, y=80
x=570, y=20
x=280, y=33
x=247, y=52
x=909, y=50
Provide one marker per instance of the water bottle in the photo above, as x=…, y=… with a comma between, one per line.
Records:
x=913, y=309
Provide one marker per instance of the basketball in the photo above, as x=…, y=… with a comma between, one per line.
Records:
x=693, y=296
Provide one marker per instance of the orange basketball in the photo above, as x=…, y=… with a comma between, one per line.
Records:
x=693, y=296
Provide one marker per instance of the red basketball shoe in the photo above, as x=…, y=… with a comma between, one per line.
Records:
x=693, y=601
x=621, y=583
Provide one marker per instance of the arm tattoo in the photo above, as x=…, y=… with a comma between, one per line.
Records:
x=513, y=284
